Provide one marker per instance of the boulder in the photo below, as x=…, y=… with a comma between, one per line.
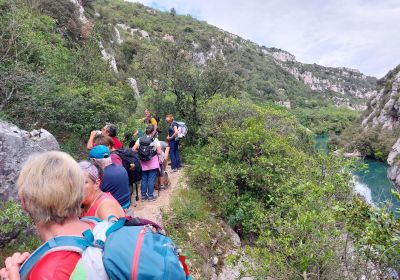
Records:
x=15, y=147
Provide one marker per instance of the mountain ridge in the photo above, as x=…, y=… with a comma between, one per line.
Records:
x=343, y=86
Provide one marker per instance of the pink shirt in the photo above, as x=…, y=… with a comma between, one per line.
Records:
x=116, y=159
x=151, y=164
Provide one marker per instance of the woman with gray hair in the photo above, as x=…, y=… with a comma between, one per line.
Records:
x=50, y=188
x=115, y=179
x=95, y=202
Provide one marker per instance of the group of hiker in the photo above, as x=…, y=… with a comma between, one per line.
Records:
x=58, y=193
x=145, y=159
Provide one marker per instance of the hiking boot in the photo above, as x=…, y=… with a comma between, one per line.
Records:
x=174, y=170
x=143, y=198
x=162, y=187
x=153, y=198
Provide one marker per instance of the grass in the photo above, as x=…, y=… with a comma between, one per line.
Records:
x=190, y=222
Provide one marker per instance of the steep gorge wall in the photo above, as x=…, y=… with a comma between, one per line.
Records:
x=384, y=112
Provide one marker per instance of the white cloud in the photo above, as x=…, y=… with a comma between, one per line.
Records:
x=361, y=34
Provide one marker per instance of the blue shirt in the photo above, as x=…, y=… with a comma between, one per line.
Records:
x=116, y=181
x=171, y=129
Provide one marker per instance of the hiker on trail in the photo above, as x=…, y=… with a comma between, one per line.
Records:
x=108, y=130
x=50, y=188
x=95, y=202
x=173, y=143
x=148, y=149
x=115, y=178
x=109, y=143
x=150, y=120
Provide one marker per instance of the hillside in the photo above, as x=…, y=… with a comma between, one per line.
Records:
x=378, y=131
x=130, y=31
x=70, y=66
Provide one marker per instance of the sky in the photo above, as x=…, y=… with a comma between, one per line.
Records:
x=359, y=34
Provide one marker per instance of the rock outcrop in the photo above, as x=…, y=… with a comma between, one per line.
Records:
x=344, y=81
x=15, y=147
x=385, y=105
x=108, y=57
x=394, y=163
x=133, y=84
x=384, y=112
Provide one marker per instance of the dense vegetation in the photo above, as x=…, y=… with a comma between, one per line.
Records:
x=255, y=164
x=294, y=208
x=54, y=81
x=372, y=139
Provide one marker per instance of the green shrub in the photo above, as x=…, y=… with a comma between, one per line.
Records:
x=258, y=168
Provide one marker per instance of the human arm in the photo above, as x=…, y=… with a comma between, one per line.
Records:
x=155, y=125
x=176, y=132
x=136, y=146
x=166, y=155
x=159, y=151
x=157, y=145
x=109, y=208
x=89, y=144
x=12, y=265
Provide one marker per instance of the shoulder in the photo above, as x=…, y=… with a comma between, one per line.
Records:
x=56, y=265
x=110, y=206
x=157, y=142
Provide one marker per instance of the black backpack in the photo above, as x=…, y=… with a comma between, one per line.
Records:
x=146, y=151
x=131, y=163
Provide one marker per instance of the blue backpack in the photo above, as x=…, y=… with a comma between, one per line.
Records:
x=117, y=250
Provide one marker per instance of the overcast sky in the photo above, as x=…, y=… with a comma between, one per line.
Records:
x=361, y=34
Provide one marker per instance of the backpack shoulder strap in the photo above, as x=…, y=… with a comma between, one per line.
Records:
x=61, y=243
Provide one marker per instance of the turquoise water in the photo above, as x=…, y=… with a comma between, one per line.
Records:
x=321, y=142
x=372, y=182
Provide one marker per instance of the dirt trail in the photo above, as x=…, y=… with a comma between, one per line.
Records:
x=152, y=210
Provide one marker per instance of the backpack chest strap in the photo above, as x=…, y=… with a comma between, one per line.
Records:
x=62, y=243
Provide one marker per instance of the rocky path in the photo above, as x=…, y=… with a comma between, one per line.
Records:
x=152, y=210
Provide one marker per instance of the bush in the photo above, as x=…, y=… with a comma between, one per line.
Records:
x=13, y=231
x=258, y=168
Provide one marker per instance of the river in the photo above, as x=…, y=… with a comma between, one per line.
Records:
x=372, y=182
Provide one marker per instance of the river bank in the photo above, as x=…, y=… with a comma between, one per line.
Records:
x=370, y=179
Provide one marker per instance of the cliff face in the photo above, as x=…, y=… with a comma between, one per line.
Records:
x=384, y=107
x=268, y=73
x=394, y=163
x=384, y=111
x=351, y=84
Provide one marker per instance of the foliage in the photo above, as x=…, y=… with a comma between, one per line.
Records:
x=13, y=222
x=325, y=119
x=192, y=225
x=203, y=60
x=51, y=81
x=259, y=171
x=373, y=142
x=376, y=233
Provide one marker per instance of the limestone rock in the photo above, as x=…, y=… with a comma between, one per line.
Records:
x=81, y=11
x=324, y=79
x=169, y=38
x=108, y=57
x=15, y=147
x=385, y=107
x=133, y=83
x=394, y=163
x=118, y=38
